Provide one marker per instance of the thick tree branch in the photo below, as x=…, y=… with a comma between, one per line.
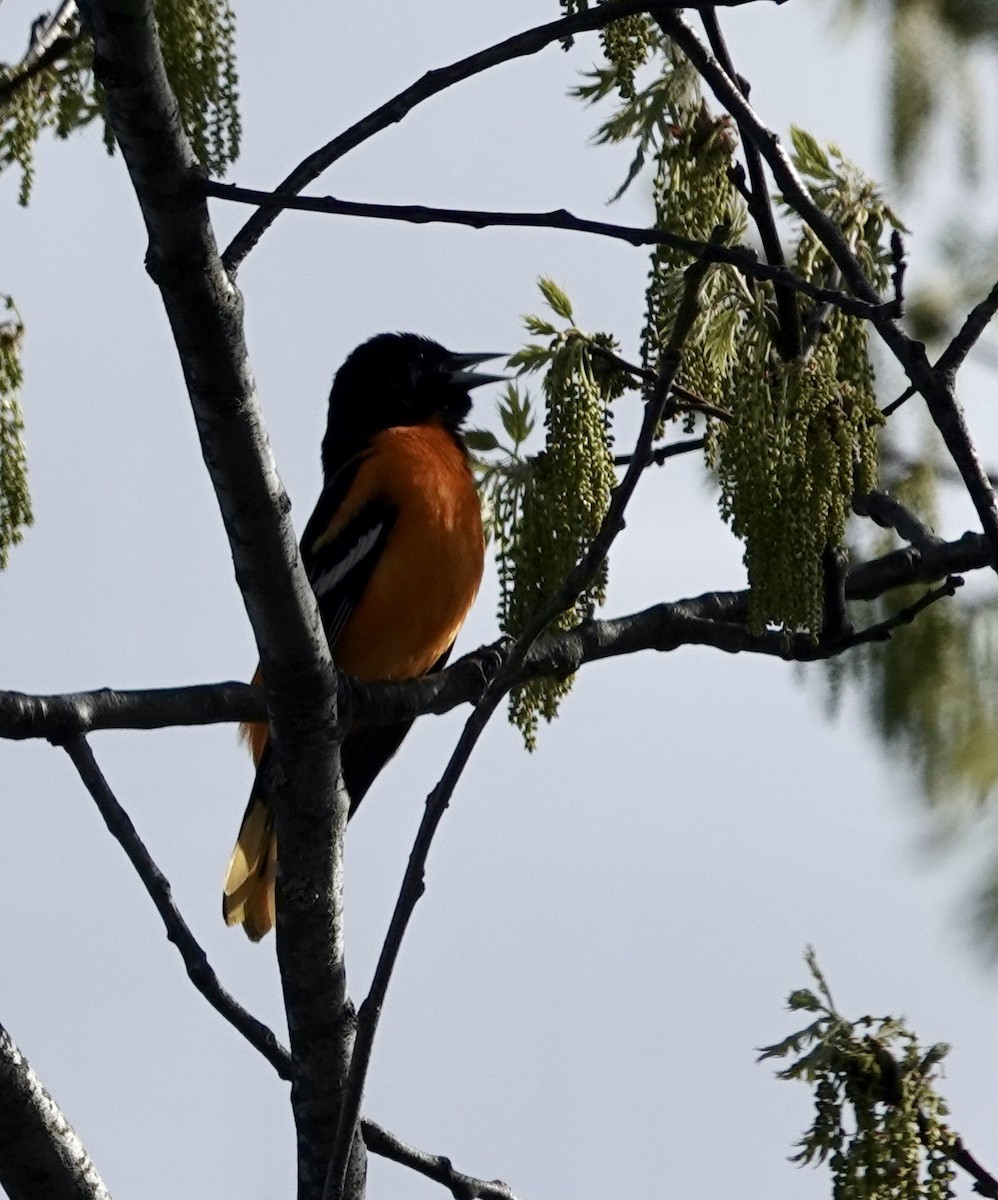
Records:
x=740, y=257
x=41, y=1155
x=205, y=313
x=433, y=82
x=157, y=885
x=715, y=619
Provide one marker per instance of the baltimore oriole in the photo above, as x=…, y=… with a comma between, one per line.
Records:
x=394, y=552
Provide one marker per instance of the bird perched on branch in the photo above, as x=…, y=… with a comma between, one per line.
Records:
x=394, y=553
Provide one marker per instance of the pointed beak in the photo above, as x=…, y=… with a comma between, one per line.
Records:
x=457, y=368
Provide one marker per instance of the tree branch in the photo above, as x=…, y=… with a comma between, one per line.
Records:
x=199, y=970
x=741, y=257
x=760, y=205
x=433, y=82
x=715, y=619
x=41, y=1155
x=434, y=1166
x=978, y=319
x=888, y=512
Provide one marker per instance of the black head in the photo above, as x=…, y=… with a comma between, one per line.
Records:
x=397, y=379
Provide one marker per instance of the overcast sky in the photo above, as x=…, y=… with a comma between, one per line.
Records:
x=612, y=924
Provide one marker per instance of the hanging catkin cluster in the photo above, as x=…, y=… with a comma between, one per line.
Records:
x=627, y=44
x=198, y=41
x=15, y=503
x=803, y=436
x=694, y=198
x=547, y=512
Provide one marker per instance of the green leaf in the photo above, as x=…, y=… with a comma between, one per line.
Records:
x=556, y=298
x=811, y=158
x=539, y=327
x=530, y=358
x=481, y=441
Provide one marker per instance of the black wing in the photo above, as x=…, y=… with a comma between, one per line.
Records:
x=339, y=569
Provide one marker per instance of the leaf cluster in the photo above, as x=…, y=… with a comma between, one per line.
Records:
x=878, y=1120
x=198, y=42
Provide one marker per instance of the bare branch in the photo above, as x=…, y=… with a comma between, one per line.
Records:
x=41, y=1155
x=888, y=512
x=433, y=82
x=760, y=205
x=978, y=319
x=58, y=718
x=662, y=454
x=434, y=1166
x=740, y=257
x=199, y=970
x=714, y=619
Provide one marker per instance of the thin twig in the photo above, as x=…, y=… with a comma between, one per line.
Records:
x=978, y=319
x=740, y=257
x=663, y=453
x=199, y=970
x=905, y=396
x=899, y=267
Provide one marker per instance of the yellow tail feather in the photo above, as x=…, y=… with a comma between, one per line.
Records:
x=248, y=895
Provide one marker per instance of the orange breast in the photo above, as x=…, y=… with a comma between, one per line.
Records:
x=431, y=565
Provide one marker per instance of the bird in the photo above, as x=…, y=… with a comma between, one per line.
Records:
x=394, y=552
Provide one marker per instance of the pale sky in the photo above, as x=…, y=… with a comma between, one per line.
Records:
x=612, y=924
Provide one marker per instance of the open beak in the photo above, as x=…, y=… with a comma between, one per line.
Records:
x=457, y=369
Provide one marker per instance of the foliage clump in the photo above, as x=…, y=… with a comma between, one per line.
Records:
x=15, y=502
x=794, y=439
x=878, y=1120
x=198, y=42
x=803, y=440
